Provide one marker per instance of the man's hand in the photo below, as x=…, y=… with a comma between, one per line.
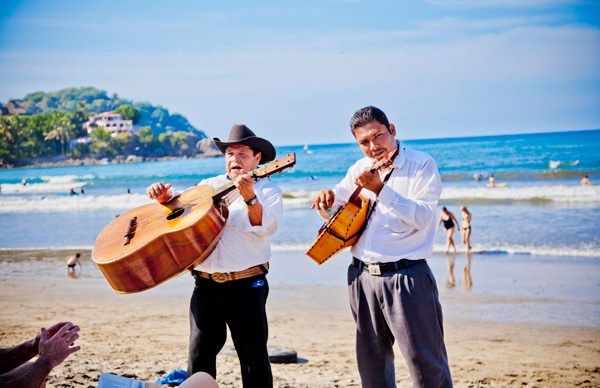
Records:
x=245, y=185
x=324, y=202
x=370, y=181
x=159, y=192
x=52, y=330
x=54, y=348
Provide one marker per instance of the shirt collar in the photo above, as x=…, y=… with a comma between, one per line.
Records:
x=401, y=158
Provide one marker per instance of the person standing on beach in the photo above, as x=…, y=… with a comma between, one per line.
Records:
x=446, y=217
x=392, y=291
x=231, y=286
x=465, y=226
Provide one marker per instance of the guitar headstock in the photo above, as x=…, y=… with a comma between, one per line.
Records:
x=278, y=165
x=387, y=161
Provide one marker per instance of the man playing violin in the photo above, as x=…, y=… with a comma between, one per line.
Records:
x=231, y=287
x=392, y=292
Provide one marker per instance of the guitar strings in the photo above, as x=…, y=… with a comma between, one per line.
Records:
x=227, y=198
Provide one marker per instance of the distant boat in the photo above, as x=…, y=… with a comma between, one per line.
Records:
x=307, y=150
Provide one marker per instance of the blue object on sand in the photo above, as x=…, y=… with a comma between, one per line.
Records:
x=258, y=283
x=176, y=376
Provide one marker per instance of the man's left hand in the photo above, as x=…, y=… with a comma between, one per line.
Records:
x=245, y=185
x=370, y=181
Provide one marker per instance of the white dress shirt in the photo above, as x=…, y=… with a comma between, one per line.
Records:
x=242, y=245
x=402, y=225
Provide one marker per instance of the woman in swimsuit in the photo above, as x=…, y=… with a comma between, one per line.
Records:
x=446, y=217
x=465, y=226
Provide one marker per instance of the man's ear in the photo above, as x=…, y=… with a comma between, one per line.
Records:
x=258, y=157
x=393, y=129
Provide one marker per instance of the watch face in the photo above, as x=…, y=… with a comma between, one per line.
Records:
x=252, y=201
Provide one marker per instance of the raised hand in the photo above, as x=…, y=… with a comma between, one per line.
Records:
x=159, y=192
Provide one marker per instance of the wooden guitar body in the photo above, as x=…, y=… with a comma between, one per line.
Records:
x=153, y=243
x=166, y=240
x=341, y=231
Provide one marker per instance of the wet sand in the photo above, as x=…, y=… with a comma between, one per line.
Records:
x=144, y=336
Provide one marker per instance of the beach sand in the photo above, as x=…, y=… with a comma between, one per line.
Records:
x=144, y=336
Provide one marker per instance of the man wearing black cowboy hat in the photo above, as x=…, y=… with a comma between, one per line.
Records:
x=231, y=287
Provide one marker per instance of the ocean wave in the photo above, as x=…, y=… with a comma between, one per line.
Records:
x=525, y=250
x=72, y=203
x=491, y=249
x=483, y=250
x=49, y=184
x=293, y=198
x=557, y=193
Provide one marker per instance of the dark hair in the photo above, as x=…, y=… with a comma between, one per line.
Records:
x=367, y=115
x=444, y=209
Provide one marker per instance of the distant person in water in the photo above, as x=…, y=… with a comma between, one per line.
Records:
x=24, y=182
x=465, y=226
x=492, y=180
x=585, y=181
x=72, y=192
x=447, y=218
x=128, y=191
x=72, y=263
x=82, y=191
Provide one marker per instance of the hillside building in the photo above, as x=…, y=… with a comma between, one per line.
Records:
x=110, y=121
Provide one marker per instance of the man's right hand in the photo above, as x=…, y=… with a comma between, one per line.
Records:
x=55, y=347
x=324, y=202
x=159, y=192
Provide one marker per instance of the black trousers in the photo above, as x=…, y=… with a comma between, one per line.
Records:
x=240, y=305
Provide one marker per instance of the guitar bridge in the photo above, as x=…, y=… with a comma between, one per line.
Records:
x=130, y=231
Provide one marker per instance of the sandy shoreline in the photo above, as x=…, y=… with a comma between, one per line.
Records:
x=145, y=336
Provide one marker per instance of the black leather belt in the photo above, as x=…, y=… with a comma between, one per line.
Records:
x=383, y=268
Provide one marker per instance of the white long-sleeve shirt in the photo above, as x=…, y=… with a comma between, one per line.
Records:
x=402, y=225
x=242, y=245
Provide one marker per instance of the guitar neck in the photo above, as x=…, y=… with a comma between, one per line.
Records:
x=222, y=192
x=259, y=173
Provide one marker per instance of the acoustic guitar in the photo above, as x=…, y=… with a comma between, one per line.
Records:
x=155, y=242
x=346, y=225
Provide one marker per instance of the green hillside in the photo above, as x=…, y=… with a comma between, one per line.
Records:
x=156, y=117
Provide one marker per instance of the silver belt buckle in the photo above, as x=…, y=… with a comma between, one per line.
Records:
x=374, y=269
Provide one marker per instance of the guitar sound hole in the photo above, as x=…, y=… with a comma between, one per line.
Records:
x=175, y=213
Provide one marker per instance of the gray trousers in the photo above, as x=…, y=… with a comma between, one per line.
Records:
x=400, y=306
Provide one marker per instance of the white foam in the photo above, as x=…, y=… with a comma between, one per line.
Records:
x=72, y=203
x=558, y=193
x=532, y=250
x=50, y=187
x=50, y=184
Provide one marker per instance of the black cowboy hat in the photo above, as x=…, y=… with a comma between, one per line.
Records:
x=242, y=135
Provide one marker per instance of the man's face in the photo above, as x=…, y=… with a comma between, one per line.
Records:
x=375, y=140
x=240, y=159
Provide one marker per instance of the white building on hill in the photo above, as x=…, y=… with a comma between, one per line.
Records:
x=112, y=122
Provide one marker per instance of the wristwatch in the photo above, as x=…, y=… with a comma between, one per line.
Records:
x=252, y=201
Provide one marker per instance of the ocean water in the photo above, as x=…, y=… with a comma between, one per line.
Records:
x=543, y=210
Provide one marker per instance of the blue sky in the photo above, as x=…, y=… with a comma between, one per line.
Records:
x=295, y=70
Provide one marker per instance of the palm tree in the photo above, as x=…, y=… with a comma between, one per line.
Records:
x=62, y=132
